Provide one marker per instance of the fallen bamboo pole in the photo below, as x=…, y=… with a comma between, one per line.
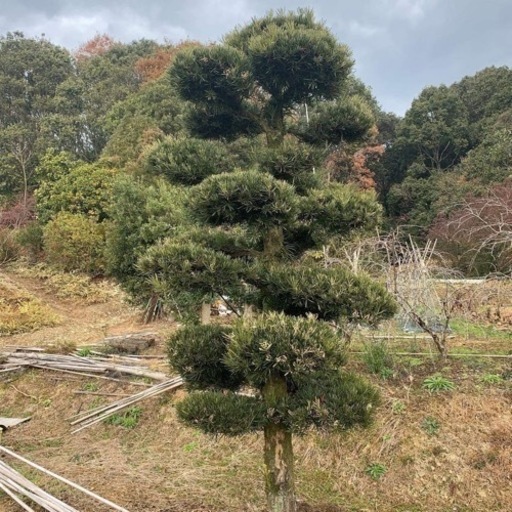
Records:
x=20, y=502
x=94, y=376
x=102, y=408
x=12, y=369
x=106, y=414
x=80, y=364
x=98, y=393
x=104, y=411
x=430, y=354
x=22, y=485
x=64, y=480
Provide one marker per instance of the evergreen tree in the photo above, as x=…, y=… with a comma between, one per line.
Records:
x=256, y=231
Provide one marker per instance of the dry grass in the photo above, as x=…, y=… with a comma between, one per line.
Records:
x=163, y=466
x=80, y=287
x=22, y=312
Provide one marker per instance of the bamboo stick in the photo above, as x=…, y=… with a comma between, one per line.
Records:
x=64, y=480
x=106, y=414
x=93, y=376
x=20, y=502
x=12, y=369
x=97, y=393
x=453, y=354
x=21, y=484
x=102, y=408
x=28, y=494
x=125, y=402
x=108, y=406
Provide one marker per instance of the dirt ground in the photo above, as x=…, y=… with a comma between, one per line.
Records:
x=439, y=452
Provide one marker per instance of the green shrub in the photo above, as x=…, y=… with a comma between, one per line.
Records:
x=438, y=383
x=139, y=216
x=86, y=189
x=30, y=238
x=75, y=242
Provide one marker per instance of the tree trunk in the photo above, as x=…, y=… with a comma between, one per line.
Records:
x=273, y=243
x=279, y=480
x=206, y=313
x=276, y=129
x=25, y=184
x=278, y=454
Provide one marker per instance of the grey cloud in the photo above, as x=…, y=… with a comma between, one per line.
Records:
x=400, y=46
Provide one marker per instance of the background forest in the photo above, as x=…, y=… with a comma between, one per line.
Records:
x=88, y=135
x=82, y=133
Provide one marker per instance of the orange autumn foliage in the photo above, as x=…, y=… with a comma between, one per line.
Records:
x=347, y=167
x=98, y=45
x=151, y=68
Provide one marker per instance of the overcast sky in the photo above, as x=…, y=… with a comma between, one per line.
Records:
x=400, y=46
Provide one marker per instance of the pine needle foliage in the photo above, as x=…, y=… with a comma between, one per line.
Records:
x=335, y=122
x=197, y=353
x=227, y=414
x=278, y=343
x=294, y=162
x=244, y=197
x=331, y=294
x=190, y=273
x=287, y=358
x=340, y=210
x=188, y=161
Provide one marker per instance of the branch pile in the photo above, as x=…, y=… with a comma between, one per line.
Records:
x=73, y=363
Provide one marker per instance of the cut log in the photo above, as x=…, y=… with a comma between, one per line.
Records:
x=130, y=343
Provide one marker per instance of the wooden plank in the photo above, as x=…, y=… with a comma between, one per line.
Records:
x=6, y=423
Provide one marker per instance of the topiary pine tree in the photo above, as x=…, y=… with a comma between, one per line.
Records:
x=255, y=232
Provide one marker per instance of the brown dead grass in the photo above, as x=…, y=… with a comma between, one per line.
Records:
x=20, y=311
x=163, y=466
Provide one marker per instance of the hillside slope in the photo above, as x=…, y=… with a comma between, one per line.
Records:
x=438, y=452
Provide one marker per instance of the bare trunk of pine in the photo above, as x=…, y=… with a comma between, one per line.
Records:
x=273, y=243
x=25, y=184
x=278, y=454
x=279, y=479
x=206, y=313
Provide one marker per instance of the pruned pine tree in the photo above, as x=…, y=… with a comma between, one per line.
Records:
x=254, y=228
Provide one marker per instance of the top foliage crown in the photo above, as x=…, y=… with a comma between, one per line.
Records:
x=269, y=66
